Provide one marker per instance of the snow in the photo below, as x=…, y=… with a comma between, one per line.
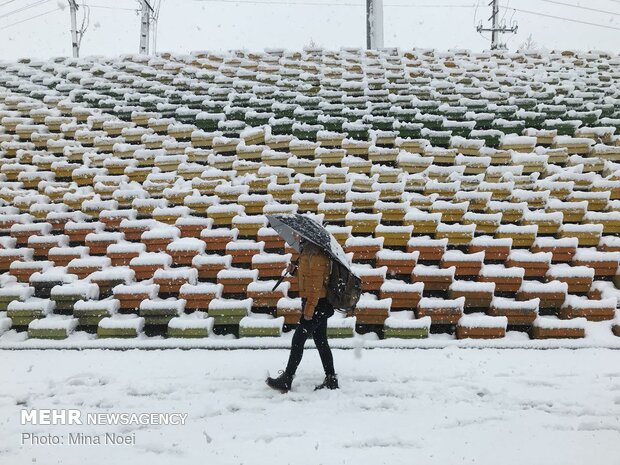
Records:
x=150, y=290
x=400, y=230
x=527, y=256
x=196, y=320
x=79, y=251
x=456, y=228
x=504, y=303
x=54, y=322
x=187, y=244
x=571, y=242
x=501, y=271
x=246, y=244
x=504, y=411
x=45, y=306
x=220, y=232
x=104, y=237
x=551, y=322
x=397, y=255
x=53, y=275
x=488, y=241
x=93, y=227
x=404, y=319
x=261, y=321
x=443, y=397
x=288, y=303
x=110, y=306
x=371, y=301
x=122, y=321
x=126, y=247
x=82, y=289
x=480, y=320
x=430, y=270
x=583, y=302
x=238, y=273
x=551, y=287
x=434, y=302
x=564, y=270
x=202, y=289
x=263, y=258
x=152, y=259
x=590, y=255
x=364, y=241
x=29, y=265
x=226, y=304
x=459, y=256
x=20, y=292
x=158, y=305
x=472, y=286
x=186, y=274
x=582, y=228
x=210, y=260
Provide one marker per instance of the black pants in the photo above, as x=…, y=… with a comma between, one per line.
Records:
x=322, y=312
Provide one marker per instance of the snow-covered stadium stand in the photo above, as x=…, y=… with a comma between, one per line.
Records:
x=473, y=192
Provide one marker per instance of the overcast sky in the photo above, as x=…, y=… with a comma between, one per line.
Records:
x=186, y=25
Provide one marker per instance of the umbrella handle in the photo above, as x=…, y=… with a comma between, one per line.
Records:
x=285, y=273
x=278, y=283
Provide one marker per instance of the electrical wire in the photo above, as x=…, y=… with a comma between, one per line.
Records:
x=24, y=8
x=562, y=18
x=272, y=2
x=85, y=23
x=581, y=7
x=7, y=2
x=476, y=25
x=110, y=7
x=155, y=19
x=28, y=19
x=505, y=12
x=428, y=6
x=275, y=2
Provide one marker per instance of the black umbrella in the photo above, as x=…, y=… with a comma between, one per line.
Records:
x=310, y=230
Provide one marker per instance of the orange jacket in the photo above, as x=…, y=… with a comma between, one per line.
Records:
x=313, y=274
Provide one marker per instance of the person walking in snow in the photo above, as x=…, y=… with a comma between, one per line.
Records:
x=313, y=270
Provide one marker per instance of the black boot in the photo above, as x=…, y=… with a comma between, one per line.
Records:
x=330, y=382
x=282, y=383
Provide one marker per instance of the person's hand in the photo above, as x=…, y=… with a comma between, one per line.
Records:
x=307, y=325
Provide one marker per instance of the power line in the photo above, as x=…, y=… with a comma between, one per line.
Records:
x=563, y=19
x=272, y=2
x=275, y=2
x=581, y=7
x=7, y=2
x=430, y=6
x=110, y=7
x=24, y=8
x=28, y=19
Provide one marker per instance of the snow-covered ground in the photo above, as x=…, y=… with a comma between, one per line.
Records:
x=598, y=335
x=445, y=406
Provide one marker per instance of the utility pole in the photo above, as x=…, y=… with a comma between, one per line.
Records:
x=73, y=7
x=496, y=30
x=145, y=26
x=374, y=24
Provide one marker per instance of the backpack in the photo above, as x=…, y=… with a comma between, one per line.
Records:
x=343, y=287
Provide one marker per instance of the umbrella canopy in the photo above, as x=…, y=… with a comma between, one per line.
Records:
x=309, y=229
